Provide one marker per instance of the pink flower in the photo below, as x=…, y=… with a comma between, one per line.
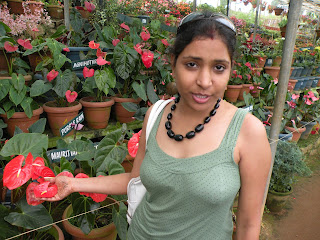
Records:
x=295, y=96
x=66, y=49
x=133, y=144
x=162, y=83
x=145, y=35
x=308, y=102
x=126, y=27
x=9, y=47
x=100, y=53
x=261, y=88
x=77, y=127
x=251, y=87
x=234, y=72
x=89, y=6
x=292, y=104
x=25, y=43
x=52, y=75
x=93, y=45
x=165, y=42
x=115, y=42
x=71, y=96
x=248, y=65
x=147, y=58
x=137, y=47
x=101, y=61
x=239, y=76
x=87, y=72
x=35, y=29
x=275, y=81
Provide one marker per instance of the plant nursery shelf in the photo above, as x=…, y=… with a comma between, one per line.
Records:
x=93, y=133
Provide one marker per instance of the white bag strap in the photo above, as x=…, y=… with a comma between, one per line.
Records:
x=155, y=111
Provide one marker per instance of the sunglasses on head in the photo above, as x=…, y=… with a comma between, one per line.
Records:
x=198, y=15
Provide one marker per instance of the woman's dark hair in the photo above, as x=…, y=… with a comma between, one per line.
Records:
x=204, y=27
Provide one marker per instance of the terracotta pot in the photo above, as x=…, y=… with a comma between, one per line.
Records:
x=59, y=116
x=270, y=10
x=261, y=61
x=127, y=163
x=292, y=84
x=56, y=11
x=232, y=92
x=278, y=11
x=36, y=58
x=96, y=114
x=84, y=13
x=122, y=115
x=296, y=134
x=108, y=232
x=21, y=120
x=27, y=79
x=60, y=233
x=245, y=88
x=277, y=61
x=263, y=8
x=272, y=71
x=277, y=201
x=15, y=6
x=35, y=6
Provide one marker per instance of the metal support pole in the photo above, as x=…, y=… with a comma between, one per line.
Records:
x=194, y=5
x=228, y=7
x=256, y=21
x=66, y=14
x=291, y=33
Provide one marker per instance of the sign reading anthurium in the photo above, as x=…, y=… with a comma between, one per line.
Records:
x=71, y=124
x=84, y=63
x=55, y=155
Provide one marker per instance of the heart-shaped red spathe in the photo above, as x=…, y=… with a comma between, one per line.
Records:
x=40, y=172
x=45, y=189
x=65, y=173
x=14, y=175
x=133, y=144
x=87, y=72
x=71, y=96
x=31, y=198
x=52, y=75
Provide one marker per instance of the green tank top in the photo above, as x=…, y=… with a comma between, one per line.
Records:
x=189, y=198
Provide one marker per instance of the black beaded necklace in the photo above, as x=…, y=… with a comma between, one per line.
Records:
x=198, y=128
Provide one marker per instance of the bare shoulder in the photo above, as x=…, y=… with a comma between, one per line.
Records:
x=252, y=127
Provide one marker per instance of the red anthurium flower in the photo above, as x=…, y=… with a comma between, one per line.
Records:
x=9, y=47
x=71, y=96
x=101, y=61
x=93, y=45
x=100, y=53
x=126, y=27
x=115, y=42
x=66, y=49
x=89, y=6
x=145, y=35
x=165, y=42
x=147, y=58
x=46, y=190
x=79, y=8
x=14, y=175
x=52, y=75
x=98, y=197
x=133, y=144
x=137, y=47
x=65, y=173
x=87, y=72
x=31, y=198
x=40, y=172
x=25, y=43
x=83, y=175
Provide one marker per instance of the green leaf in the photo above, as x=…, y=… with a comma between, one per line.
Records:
x=20, y=63
x=124, y=60
x=34, y=49
x=2, y=111
x=4, y=88
x=131, y=107
x=24, y=143
x=10, y=113
x=31, y=217
x=120, y=220
x=26, y=105
x=5, y=28
x=85, y=149
x=3, y=124
x=61, y=144
x=60, y=30
x=6, y=230
x=89, y=84
x=114, y=167
x=38, y=126
x=63, y=82
x=140, y=90
x=17, y=97
x=39, y=87
x=152, y=96
x=7, y=105
x=86, y=222
x=17, y=130
x=18, y=82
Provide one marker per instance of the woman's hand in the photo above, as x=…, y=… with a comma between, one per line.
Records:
x=64, y=185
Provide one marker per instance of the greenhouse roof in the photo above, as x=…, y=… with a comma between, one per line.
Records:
x=313, y=5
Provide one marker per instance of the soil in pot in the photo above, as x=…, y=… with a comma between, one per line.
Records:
x=96, y=114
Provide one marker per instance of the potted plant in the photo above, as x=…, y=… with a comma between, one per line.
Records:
x=283, y=26
x=98, y=83
x=234, y=86
x=288, y=163
x=244, y=69
x=278, y=11
x=270, y=8
x=59, y=86
x=55, y=9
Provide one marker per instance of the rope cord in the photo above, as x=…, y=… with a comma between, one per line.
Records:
x=63, y=220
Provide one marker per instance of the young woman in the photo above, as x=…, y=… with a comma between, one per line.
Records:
x=201, y=151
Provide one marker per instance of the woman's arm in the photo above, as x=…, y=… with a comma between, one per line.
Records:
x=113, y=184
x=254, y=165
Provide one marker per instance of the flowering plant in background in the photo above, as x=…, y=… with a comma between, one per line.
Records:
x=133, y=144
x=88, y=6
x=308, y=106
